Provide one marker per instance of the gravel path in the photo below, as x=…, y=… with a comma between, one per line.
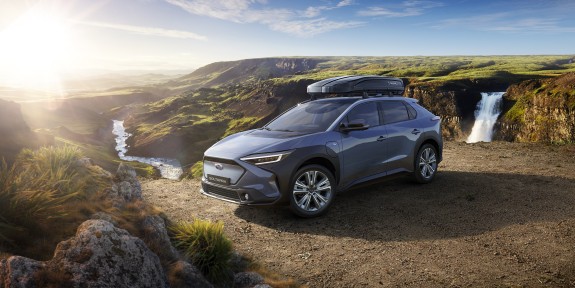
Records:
x=498, y=214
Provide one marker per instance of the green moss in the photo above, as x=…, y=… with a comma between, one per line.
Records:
x=241, y=124
x=516, y=113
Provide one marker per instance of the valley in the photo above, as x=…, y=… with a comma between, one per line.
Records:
x=179, y=118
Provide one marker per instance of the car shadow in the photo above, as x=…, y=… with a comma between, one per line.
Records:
x=456, y=204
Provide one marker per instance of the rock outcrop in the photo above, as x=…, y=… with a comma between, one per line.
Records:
x=100, y=255
x=18, y=271
x=103, y=255
x=540, y=111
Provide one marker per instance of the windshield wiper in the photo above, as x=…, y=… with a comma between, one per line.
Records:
x=284, y=130
x=266, y=128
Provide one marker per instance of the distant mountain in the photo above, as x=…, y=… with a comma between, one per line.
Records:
x=235, y=72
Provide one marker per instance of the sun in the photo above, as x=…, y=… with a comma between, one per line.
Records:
x=34, y=50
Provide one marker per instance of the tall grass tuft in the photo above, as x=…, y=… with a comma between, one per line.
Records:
x=207, y=247
x=39, y=193
x=24, y=205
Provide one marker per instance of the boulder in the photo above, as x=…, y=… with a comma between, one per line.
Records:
x=127, y=185
x=247, y=279
x=18, y=272
x=125, y=188
x=101, y=255
x=183, y=274
x=154, y=229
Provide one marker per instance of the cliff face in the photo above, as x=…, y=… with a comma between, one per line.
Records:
x=453, y=102
x=15, y=133
x=540, y=111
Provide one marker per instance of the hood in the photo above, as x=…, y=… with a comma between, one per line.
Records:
x=254, y=142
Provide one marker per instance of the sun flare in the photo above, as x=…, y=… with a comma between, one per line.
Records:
x=34, y=50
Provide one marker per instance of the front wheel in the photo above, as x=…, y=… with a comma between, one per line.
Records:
x=313, y=190
x=425, y=164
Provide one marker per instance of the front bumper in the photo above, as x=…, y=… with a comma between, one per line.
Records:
x=249, y=184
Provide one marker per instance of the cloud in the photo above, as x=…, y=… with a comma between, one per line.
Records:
x=239, y=11
x=308, y=28
x=503, y=22
x=344, y=3
x=304, y=23
x=406, y=9
x=152, y=31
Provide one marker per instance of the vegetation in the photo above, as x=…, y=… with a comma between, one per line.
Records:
x=46, y=193
x=40, y=192
x=207, y=247
x=241, y=124
x=195, y=172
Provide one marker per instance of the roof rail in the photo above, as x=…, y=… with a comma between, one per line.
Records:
x=350, y=85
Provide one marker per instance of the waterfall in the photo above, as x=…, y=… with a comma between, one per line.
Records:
x=486, y=114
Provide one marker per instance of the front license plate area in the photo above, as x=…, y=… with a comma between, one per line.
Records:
x=219, y=179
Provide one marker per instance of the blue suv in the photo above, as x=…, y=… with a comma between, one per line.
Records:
x=353, y=130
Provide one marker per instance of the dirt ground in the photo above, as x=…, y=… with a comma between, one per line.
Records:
x=497, y=214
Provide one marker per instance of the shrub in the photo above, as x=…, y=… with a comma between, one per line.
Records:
x=207, y=247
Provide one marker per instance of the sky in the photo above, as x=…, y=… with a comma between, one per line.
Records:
x=43, y=39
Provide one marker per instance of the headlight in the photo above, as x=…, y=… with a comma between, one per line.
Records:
x=267, y=158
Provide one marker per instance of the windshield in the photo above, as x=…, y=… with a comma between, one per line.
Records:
x=310, y=117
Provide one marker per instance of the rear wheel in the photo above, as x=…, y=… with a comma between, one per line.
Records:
x=313, y=190
x=425, y=164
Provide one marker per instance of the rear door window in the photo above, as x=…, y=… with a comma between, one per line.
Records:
x=394, y=111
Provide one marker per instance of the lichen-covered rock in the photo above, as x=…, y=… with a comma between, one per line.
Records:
x=183, y=274
x=127, y=186
x=247, y=279
x=103, y=216
x=18, y=272
x=101, y=255
x=126, y=172
x=154, y=228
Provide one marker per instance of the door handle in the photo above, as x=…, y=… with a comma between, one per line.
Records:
x=381, y=138
x=415, y=132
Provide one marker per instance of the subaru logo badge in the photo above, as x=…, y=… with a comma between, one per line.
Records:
x=219, y=166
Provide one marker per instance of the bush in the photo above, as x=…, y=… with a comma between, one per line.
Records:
x=207, y=247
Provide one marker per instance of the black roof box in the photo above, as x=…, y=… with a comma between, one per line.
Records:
x=357, y=86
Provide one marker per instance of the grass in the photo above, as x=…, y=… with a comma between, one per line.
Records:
x=195, y=172
x=206, y=246
x=241, y=124
x=36, y=193
x=46, y=194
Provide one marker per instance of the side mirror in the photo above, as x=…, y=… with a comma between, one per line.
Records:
x=355, y=125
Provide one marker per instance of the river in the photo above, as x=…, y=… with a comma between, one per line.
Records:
x=169, y=168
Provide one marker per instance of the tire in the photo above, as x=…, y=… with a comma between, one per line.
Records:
x=312, y=191
x=425, y=166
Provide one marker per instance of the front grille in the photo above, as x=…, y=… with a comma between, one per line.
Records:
x=221, y=192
